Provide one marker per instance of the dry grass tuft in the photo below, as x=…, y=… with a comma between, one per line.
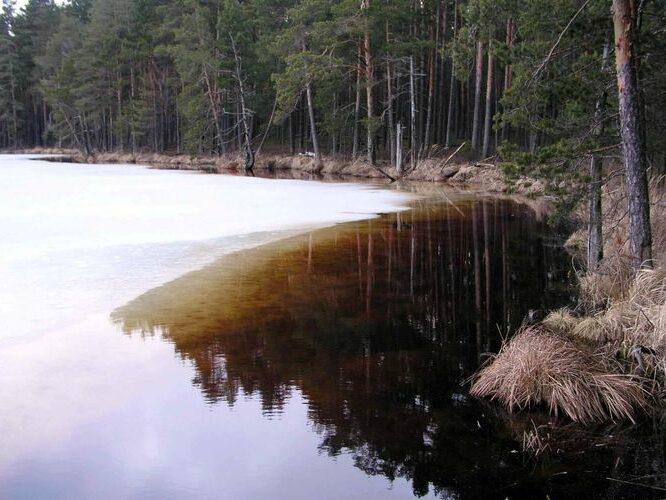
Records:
x=560, y=321
x=609, y=283
x=637, y=316
x=539, y=367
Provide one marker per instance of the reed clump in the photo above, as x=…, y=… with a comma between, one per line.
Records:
x=540, y=367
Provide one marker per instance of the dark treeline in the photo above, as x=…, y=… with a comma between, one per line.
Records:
x=373, y=78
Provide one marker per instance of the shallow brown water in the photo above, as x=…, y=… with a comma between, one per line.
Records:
x=377, y=325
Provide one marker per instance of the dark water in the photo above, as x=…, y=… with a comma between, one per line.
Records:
x=378, y=325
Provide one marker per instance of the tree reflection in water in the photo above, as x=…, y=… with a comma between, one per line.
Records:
x=378, y=324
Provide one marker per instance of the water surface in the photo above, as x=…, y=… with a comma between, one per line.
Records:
x=329, y=364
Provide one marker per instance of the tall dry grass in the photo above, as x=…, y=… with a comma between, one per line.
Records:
x=606, y=358
x=540, y=367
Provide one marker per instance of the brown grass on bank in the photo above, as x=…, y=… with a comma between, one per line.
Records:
x=539, y=367
x=458, y=171
x=602, y=359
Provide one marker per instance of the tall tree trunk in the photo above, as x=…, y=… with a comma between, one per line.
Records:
x=490, y=83
x=398, y=148
x=432, y=71
x=595, y=243
x=248, y=152
x=431, y=97
x=452, y=83
x=640, y=234
x=508, y=70
x=357, y=106
x=412, y=109
x=292, y=139
x=369, y=87
x=211, y=90
x=119, y=119
x=533, y=134
x=12, y=82
x=313, y=124
x=389, y=107
x=477, y=95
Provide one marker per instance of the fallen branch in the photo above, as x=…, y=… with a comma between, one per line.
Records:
x=393, y=179
x=545, y=62
x=633, y=483
x=452, y=155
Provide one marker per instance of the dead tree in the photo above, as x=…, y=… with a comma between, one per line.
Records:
x=245, y=113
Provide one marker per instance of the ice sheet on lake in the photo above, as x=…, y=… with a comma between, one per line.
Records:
x=80, y=239
x=46, y=207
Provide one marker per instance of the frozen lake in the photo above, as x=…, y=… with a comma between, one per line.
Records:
x=78, y=241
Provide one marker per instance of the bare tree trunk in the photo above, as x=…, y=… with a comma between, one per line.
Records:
x=334, y=132
x=432, y=66
x=431, y=97
x=245, y=117
x=398, y=148
x=211, y=90
x=508, y=71
x=533, y=133
x=120, y=117
x=487, y=129
x=369, y=88
x=292, y=139
x=477, y=95
x=449, y=114
x=357, y=107
x=389, y=110
x=12, y=82
x=412, y=108
x=595, y=243
x=313, y=124
x=452, y=83
x=640, y=234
